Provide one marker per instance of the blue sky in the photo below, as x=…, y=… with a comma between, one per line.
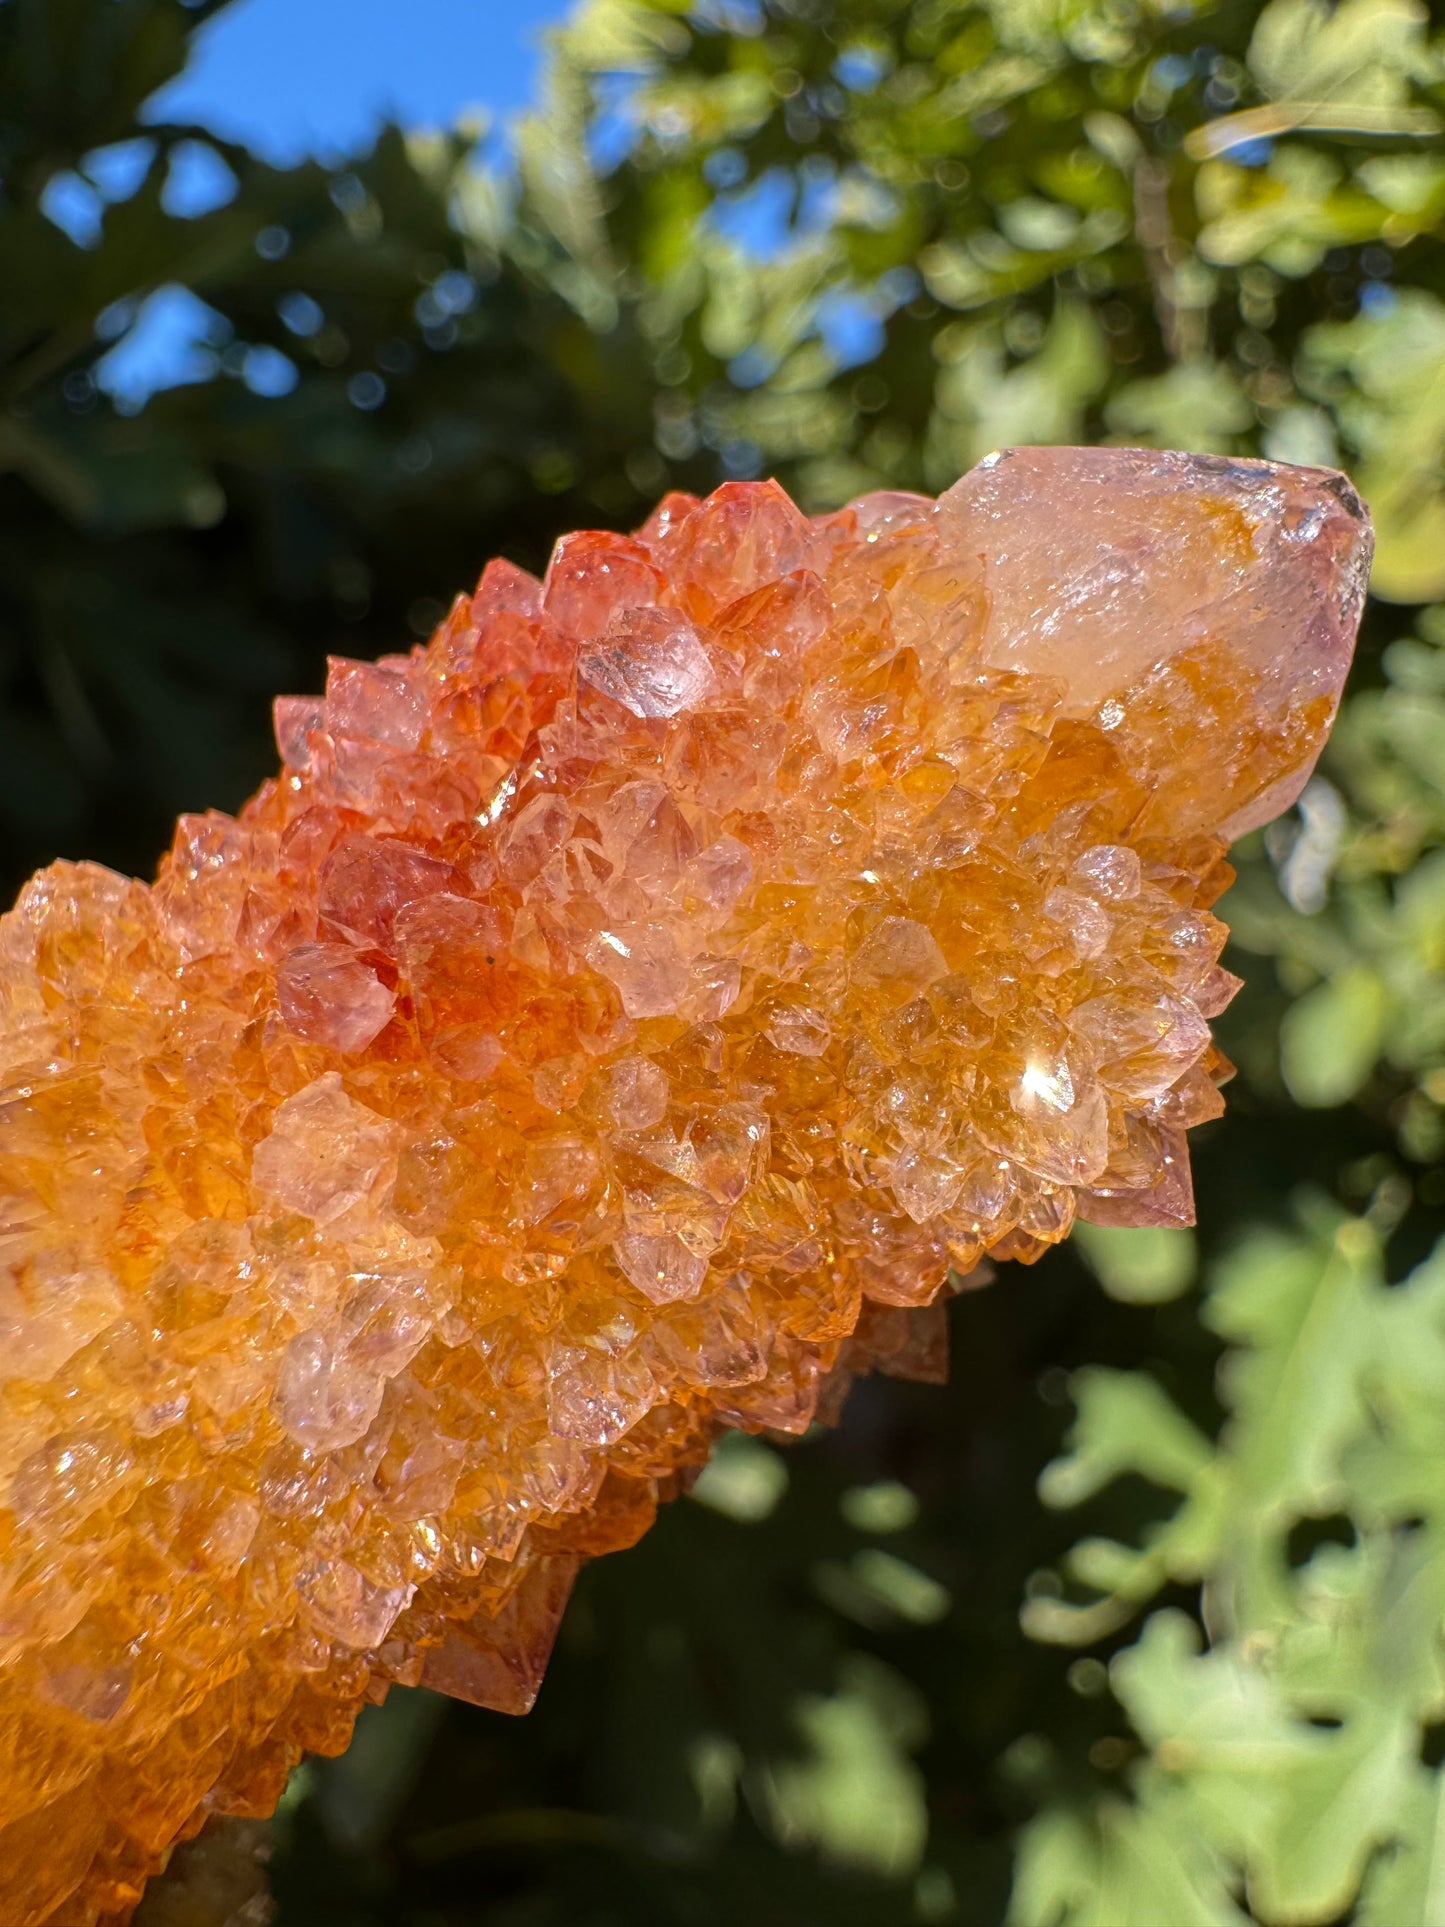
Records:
x=291, y=77
x=288, y=78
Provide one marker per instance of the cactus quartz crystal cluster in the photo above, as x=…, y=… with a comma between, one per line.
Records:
x=616, y=1022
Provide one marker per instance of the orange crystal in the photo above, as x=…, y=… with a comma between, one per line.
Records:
x=615, y=1024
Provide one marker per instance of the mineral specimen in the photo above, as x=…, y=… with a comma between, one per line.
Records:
x=615, y=1023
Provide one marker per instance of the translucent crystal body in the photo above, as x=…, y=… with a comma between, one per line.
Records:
x=614, y=1024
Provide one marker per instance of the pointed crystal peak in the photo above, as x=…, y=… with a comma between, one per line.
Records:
x=1109, y=568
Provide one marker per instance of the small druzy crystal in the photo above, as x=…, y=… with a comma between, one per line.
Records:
x=615, y=1024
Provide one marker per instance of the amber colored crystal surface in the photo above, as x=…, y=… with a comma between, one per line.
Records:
x=616, y=1023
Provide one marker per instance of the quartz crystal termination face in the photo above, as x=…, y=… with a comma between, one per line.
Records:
x=616, y=1023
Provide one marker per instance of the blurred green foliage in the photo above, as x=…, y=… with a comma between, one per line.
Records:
x=1139, y=1623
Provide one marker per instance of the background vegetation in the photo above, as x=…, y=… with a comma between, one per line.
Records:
x=1138, y=1623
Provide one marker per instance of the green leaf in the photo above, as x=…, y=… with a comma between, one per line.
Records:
x=1336, y=1809
x=855, y=1794
x=1407, y=1880
x=744, y=1479
x=1120, y=1868
x=1125, y=1423
x=1330, y=1039
x=1147, y=1265
x=1386, y=375
x=1196, y=405
x=1363, y=52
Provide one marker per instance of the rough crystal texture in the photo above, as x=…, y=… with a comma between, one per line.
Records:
x=614, y=1024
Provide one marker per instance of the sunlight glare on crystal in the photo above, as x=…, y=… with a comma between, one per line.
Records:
x=615, y=1027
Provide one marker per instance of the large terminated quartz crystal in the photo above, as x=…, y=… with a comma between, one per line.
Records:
x=614, y=1024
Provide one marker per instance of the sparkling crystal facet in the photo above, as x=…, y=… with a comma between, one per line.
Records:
x=614, y=1024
